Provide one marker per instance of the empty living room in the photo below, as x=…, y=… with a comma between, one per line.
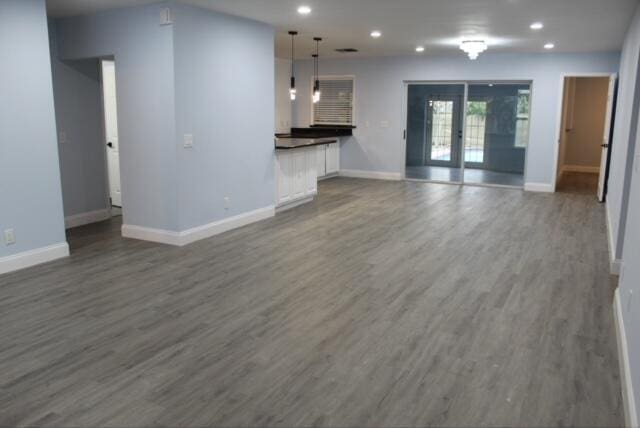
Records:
x=327, y=213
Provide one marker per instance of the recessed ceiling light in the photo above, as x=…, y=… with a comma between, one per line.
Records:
x=420, y=49
x=537, y=26
x=304, y=10
x=375, y=34
x=549, y=46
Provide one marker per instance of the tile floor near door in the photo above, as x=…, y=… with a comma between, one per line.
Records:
x=379, y=304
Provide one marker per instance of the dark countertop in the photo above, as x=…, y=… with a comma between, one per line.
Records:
x=315, y=132
x=288, y=143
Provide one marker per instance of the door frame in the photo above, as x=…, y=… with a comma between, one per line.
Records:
x=559, y=109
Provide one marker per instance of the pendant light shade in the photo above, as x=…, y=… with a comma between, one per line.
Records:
x=316, y=85
x=292, y=86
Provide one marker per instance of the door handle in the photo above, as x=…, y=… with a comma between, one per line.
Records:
x=109, y=144
x=604, y=145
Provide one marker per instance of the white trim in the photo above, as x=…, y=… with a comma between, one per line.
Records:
x=628, y=397
x=87, y=218
x=614, y=264
x=375, y=175
x=539, y=187
x=580, y=168
x=560, y=104
x=197, y=233
x=33, y=257
x=295, y=203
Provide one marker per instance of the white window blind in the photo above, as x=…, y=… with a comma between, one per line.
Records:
x=336, y=102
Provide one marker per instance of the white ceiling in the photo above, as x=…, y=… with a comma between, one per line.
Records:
x=439, y=25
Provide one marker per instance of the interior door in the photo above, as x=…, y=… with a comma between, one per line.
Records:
x=443, y=133
x=111, y=131
x=605, y=139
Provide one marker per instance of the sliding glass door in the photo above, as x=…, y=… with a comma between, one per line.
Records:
x=434, y=132
x=497, y=132
x=485, y=145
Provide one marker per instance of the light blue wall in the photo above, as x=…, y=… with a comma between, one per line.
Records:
x=624, y=198
x=78, y=104
x=30, y=195
x=379, y=96
x=143, y=51
x=225, y=98
x=624, y=136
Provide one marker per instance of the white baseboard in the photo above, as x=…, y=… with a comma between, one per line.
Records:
x=87, y=218
x=580, y=168
x=376, y=175
x=614, y=263
x=628, y=397
x=295, y=203
x=197, y=233
x=538, y=187
x=33, y=257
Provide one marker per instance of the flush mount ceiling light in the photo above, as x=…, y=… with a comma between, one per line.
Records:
x=375, y=34
x=304, y=10
x=419, y=48
x=549, y=46
x=473, y=48
x=537, y=26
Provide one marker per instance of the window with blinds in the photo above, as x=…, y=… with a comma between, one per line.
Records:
x=336, y=102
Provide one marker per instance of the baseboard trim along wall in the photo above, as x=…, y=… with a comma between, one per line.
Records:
x=87, y=218
x=538, y=187
x=33, y=257
x=580, y=168
x=197, y=233
x=614, y=263
x=376, y=175
x=628, y=397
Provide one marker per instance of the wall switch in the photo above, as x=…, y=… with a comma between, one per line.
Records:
x=187, y=141
x=227, y=202
x=165, y=16
x=9, y=237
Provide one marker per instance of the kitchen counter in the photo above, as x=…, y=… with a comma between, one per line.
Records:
x=288, y=142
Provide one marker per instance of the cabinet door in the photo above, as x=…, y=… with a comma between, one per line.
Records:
x=321, y=161
x=285, y=177
x=333, y=158
x=312, y=171
x=299, y=173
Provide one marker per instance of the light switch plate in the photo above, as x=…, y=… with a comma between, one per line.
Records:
x=9, y=237
x=187, y=141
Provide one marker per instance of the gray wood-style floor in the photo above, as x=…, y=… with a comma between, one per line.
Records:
x=379, y=304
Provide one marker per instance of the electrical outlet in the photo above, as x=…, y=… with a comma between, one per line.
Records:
x=9, y=237
x=227, y=202
x=62, y=137
x=187, y=141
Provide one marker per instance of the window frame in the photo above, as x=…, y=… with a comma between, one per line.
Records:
x=350, y=77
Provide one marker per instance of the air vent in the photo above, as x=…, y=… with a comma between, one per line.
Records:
x=346, y=50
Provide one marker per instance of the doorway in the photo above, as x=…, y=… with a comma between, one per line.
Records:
x=471, y=132
x=584, y=134
x=111, y=134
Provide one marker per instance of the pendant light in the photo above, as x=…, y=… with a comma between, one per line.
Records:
x=292, y=87
x=316, y=85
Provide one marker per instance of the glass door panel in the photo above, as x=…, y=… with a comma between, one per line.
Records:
x=496, y=133
x=434, y=132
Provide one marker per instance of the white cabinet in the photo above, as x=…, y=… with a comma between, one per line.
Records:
x=297, y=178
x=328, y=159
x=332, y=158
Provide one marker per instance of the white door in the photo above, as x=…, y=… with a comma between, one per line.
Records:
x=312, y=171
x=299, y=173
x=285, y=176
x=111, y=131
x=605, y=139
x=333, y=158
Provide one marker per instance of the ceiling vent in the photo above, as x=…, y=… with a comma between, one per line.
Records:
x=346, y=50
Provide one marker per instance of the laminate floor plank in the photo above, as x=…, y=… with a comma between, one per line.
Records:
x=378, y=304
